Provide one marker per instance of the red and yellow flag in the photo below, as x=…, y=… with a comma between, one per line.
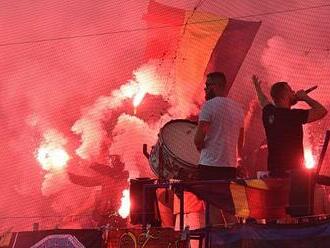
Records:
x=198, y=42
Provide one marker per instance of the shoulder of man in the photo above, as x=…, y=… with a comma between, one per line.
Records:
x=269, y=106
x=206, y=110
x=211, y=103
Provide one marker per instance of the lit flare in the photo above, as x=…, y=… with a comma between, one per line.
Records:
x=125, y=204
x=309, y=159
x=51, y=158
x=138, y=99
x=51, y=153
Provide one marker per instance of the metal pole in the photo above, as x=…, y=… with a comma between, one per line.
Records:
x=181, y=192
x=207, y=224
x=144, y=198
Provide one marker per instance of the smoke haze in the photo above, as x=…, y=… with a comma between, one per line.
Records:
x=70, y=67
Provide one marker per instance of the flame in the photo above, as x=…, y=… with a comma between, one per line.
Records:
x=51, y=154
x=142, y=78
x=138, y=97
x=129, y=90
x=309, y=159
x=51, y=158
x=125, y=204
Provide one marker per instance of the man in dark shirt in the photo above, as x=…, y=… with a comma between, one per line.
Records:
x=284, y=126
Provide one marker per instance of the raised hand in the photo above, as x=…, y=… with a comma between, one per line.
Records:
x=261, y=96
x=301, y=95
x=256, y=81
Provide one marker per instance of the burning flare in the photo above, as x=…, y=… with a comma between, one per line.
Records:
x=51, y=154
x=52, y=158
x=124, y=209
x=138, y=99
x=143, y=79
x=309, y=159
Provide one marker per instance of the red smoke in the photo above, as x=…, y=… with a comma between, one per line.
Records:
x=78, y=78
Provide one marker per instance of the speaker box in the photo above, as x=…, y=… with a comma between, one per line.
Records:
x=152, y=215
x=301, y=193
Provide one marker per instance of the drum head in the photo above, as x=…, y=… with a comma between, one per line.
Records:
x=177, y=137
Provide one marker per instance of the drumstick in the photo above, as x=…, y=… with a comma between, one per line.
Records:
x=310, y=89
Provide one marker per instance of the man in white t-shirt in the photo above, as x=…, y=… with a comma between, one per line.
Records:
x=220, y=132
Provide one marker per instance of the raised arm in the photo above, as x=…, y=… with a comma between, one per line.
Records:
x=317, y=111
x=263, y=100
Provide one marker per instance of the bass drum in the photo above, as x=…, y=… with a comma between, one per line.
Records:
x=175, y=155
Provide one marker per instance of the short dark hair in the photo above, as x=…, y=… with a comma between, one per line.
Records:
x=217, y=78
x=277, y=89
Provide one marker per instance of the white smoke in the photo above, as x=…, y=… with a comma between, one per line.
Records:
x=130, y=134
x=55, y=79
x=151, y=78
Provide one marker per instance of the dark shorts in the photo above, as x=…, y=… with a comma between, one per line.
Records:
x=216, y=173
x=280, y=173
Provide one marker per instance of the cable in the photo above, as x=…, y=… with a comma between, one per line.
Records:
x=200, y=2
x=159, y=27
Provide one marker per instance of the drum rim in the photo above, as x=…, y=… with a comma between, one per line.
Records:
x=193, y=166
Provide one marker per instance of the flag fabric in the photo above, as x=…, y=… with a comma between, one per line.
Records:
x=6, y=238
x=251, y=235
x=260, y=199
x=232, y=47
x=197, y=42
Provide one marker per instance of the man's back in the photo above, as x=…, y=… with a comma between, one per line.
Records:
x=226, y=118
x=284, y=137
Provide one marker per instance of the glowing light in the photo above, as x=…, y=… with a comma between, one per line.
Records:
x=125, y=205
x=129, y=90
x=51, y=153
x=52, y=158
x=138, y=98
x=309, y=159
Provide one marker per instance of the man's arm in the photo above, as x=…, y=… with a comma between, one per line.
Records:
x=263, y=100
x=200, y=134
x=317, y=111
